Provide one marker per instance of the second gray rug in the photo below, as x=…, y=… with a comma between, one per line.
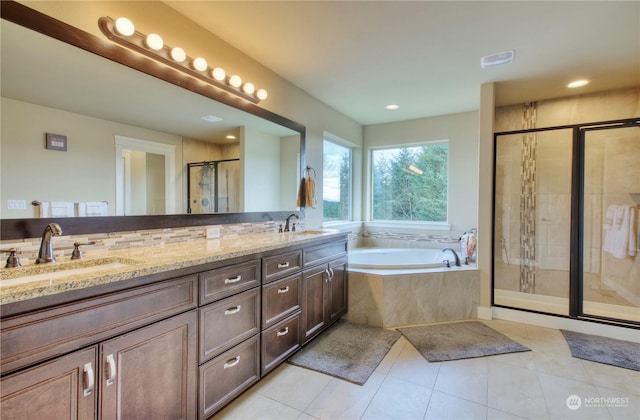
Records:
x=459, y=340
x=347, y=351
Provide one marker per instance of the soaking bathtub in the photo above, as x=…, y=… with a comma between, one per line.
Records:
x=391, y=287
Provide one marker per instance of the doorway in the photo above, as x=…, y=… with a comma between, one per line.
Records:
x=145, y=176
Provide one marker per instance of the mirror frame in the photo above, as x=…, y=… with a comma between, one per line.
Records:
x=31, y=228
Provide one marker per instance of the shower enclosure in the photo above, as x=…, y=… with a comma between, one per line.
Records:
x=213, y=186
x=566, y=233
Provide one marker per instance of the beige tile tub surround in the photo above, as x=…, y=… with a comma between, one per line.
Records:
x=405, y=299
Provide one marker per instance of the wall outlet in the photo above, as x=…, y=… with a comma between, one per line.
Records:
x=16, y=204
x=212, y=233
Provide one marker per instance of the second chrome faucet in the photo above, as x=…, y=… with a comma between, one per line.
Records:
x=45, y=255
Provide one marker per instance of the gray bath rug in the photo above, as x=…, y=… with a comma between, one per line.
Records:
x=347, y=351
x=459, y=340
x=610, y=351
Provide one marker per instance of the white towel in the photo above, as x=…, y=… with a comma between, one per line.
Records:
x=92, y=208
x=57, y=209
x=623, y=240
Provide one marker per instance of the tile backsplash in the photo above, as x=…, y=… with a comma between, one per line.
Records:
x=63, y=245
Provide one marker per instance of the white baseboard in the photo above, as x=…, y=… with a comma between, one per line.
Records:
x=549, y=321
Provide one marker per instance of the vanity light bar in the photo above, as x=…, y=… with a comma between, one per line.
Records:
x=122, y=31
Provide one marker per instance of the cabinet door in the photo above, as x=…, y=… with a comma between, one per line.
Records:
x=338, y=284
x=150, y=373
x=64, y=388
x=314, y=302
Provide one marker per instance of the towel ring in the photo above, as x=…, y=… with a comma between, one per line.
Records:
x=309, y=168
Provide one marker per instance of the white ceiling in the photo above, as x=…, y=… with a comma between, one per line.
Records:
x=358, y=56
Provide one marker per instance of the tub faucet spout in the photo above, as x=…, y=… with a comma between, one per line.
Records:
x=45, y=255
x=455, y=255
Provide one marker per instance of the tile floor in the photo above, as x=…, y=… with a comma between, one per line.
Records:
x=528, y=385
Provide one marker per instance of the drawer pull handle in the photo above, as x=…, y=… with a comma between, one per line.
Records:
x=89, y=379
x=283, y=265
x=232, y=311
x=233, y=279
x=231, y=363
x=111, y=370
x=283, y=290
x=282, y=332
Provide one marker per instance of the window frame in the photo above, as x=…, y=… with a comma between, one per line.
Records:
x=330, y=139
x=392, y=223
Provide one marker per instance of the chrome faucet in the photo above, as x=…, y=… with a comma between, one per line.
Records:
x=286, y=225
x=45, y=255
x=455, y=255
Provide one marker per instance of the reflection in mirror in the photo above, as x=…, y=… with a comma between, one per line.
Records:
x=49, y=86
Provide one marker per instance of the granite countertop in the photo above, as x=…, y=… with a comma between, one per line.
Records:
x=32, y=281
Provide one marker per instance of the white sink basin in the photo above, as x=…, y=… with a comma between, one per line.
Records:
x=52, y=271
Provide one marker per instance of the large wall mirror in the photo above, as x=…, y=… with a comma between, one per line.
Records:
x=129, y=132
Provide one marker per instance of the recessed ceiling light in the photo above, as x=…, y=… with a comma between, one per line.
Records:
x=211, y=118
x=231, y=137
x=577, y=83
x=392, y=106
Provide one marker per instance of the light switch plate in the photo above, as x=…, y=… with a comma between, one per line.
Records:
x=16, y=204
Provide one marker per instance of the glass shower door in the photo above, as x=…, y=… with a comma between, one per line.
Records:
x=532, y=222
x=610, y=232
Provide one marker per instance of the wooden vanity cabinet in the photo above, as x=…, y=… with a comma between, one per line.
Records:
x=140, y=361
x=63, y=389
x=324, y=290
x=175, y=347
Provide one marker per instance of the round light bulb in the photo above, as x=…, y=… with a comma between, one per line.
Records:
x=125, y=27
x=154, y=41
x=178, y=54
x=218, y=74
x=235, y=81
x=249, y=88
x=199, y=63
x=261, y=94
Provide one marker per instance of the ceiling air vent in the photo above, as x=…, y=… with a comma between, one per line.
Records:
x=497, y=59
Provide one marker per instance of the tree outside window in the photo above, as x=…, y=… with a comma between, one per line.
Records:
x=336, y=182
x=410, y=183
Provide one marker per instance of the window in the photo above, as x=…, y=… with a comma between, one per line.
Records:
x=336, y=182
x=410, y=183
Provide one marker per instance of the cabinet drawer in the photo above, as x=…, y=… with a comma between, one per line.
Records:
x=279, y=341
x=281, y=299
x=222, y=282
x=324, y=253
x=27, y=339
x=280, y=265
x=228, y=322
x=226, y=376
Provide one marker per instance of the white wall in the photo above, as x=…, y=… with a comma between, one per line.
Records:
x=259, y=166
x=90, y=152
x=461, y=130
